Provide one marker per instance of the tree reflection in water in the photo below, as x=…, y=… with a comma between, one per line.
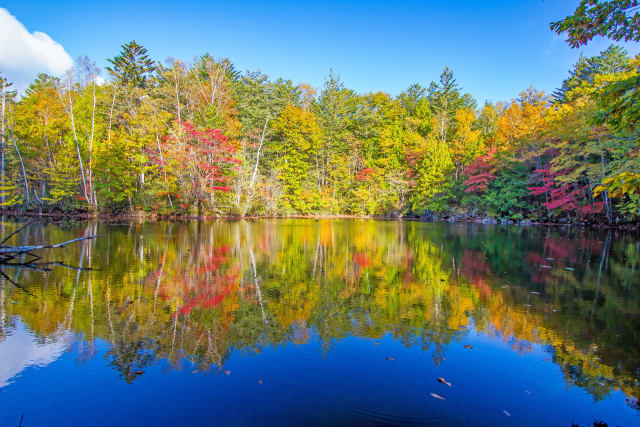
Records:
x=200, y=291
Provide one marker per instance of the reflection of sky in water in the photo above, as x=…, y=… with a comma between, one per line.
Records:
x=303, y=381
x=20, y=351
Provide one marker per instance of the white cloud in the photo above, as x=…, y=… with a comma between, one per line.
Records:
x=20, y=351
x=24, y=54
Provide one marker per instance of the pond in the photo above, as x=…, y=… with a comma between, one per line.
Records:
x=302, y=321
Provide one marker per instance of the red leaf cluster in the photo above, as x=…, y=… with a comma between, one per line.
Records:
x=214, y=157
x=480, y=173
x=361, y=259
x=565, y=197
x=364, y=174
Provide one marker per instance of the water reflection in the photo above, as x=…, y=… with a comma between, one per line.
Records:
x=200, y=292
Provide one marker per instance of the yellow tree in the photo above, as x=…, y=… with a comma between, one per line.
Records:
x=298, y=137
x=522, y=122
x=467, y=142
x=41, y=124
x=434, y=166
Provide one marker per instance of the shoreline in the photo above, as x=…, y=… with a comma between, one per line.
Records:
x=140, y=216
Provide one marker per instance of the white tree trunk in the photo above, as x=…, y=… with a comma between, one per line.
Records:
x=69, y=111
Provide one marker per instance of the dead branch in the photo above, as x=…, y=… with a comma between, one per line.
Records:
x=14, y=283
x=18, y=230
x=16, y=250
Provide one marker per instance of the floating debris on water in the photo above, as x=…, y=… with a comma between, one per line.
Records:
x=443, y=381
x=535, y=293
x=227, y=372
x=437, y=396
x=506, y=412
x=390, y=358
x=545, y=266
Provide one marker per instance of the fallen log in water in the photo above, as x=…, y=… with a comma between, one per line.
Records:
x=8, y=253
x=4, y=249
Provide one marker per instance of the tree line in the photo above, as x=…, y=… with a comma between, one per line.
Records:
x=205, y=139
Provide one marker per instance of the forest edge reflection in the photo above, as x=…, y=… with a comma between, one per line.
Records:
x=199, y=292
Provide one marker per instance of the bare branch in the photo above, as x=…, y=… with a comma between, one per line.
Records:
x=23, y=249
x=18, y=230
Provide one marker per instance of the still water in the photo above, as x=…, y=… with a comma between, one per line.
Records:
x=326, y=322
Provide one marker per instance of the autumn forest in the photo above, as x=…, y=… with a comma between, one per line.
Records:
x=202, y=138
x=214, y=245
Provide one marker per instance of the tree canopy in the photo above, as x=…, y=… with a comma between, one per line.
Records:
x=616, y=19
x=202, y=138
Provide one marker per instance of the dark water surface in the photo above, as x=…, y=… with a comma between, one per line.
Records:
x=292, y=322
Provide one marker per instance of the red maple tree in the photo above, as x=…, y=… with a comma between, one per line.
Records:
x=480, y=173
x=563, y=197
x=214, y=156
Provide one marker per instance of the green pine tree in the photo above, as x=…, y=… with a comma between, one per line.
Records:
x=133, y=66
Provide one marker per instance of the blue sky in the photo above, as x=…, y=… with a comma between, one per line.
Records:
x=496, y=48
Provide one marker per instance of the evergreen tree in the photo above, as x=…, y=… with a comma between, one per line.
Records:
x=410, y=98
x=337, y=111
x=133, y=66
x=610, y=61
x=445, y=95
